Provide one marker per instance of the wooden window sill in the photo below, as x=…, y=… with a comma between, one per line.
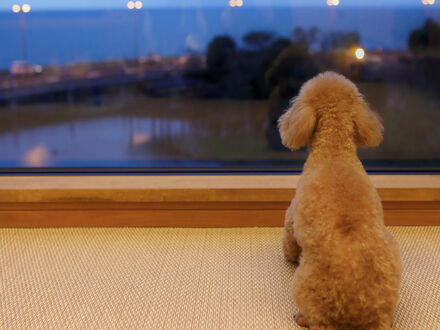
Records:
x=190, y=200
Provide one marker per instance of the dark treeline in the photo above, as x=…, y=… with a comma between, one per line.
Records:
x=424, y=43
x=274, y=68
x=266, y=62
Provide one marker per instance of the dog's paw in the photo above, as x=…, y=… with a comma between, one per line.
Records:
x=294, y=261
x=301, y=320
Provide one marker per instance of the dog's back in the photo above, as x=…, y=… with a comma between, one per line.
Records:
x=349, y=271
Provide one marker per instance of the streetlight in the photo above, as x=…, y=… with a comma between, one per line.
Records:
x=236, y=3
x=359, y=53
x=138, y=4
x=21, y=10
x=332, y=2
x=16, y=8
x=26, y=8
x=135, y=5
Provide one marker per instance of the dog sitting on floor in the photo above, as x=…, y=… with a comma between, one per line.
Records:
x=349, y=265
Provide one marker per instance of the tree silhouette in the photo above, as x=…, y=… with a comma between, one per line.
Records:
x=304, y=36
x=293, y=66
x=426, y=39
x=294, y=63
x=219, y=57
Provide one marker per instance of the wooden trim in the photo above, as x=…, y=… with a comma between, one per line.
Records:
x=190, y=201
x=194, y=181
x=146, y=206
x=186, y=214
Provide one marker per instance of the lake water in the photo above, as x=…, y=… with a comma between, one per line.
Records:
x=109, y=140
x=178, y=132
x=60, y=37
x=154, y=132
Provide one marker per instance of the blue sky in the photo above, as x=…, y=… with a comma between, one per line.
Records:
x=111, y=4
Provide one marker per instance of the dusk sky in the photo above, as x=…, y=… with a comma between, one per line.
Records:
x=113, y=4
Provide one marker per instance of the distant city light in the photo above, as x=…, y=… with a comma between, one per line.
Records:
x=332, y=2
x=138, y=4
x=130, y=5
x=428, y=2
x=135, y=4
x=359, y=53
x=236, y=3
x=26, y=8
x=16, y=8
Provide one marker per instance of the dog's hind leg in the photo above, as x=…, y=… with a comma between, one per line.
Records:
x=384, y=323
x=291, y=249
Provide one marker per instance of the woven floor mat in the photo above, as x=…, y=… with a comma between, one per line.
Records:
x=172, y=278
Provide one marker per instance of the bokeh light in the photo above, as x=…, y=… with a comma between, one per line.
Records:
x=26, y=8
x=359, y=53
x=16, y=8
x=130, y=5
x=235, y=3
x=138, y=4
x=332, y=2
x=428, y=2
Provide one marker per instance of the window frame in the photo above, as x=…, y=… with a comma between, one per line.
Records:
x=190, y=200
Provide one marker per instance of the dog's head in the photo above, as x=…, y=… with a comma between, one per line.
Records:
x=329, y=93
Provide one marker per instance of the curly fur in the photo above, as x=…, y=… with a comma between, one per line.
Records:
x=349, y=271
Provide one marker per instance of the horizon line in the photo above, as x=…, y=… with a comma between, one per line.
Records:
x=320, y=6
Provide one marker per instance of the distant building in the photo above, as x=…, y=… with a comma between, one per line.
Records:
x=24, y=68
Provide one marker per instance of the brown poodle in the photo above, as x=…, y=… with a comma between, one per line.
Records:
x=349, y=272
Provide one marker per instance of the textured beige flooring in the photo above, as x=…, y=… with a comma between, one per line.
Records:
x=150, y=278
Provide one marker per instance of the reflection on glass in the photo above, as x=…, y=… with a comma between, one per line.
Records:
x=139, y=139
x=37, y=156
x=202, y=84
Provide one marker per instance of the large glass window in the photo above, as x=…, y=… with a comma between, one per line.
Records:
x=191, y=83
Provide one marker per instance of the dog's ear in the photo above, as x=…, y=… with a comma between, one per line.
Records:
x=297, y=125
x=368, y=126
